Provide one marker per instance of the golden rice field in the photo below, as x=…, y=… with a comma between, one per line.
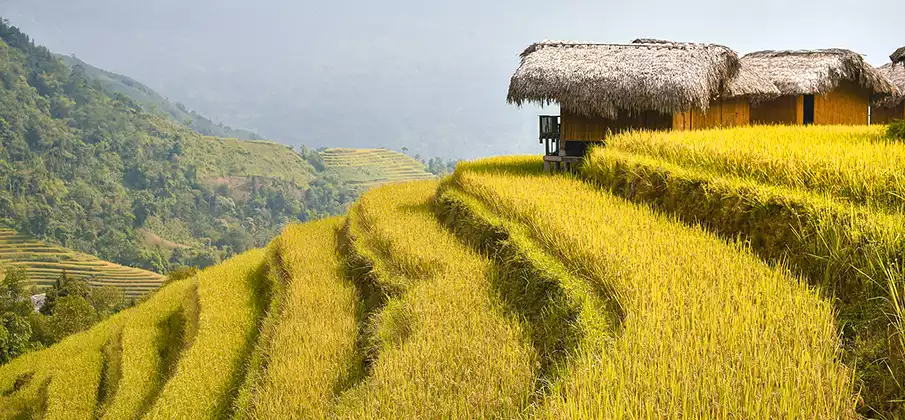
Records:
x=45, y=263
x=858, y=164
x=372, y=167
x=824, y=201
x=645, y=287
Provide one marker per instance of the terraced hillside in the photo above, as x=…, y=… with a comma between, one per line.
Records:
x=371, y=167
x=45, y=263
x=825, y=201
x=475, y=297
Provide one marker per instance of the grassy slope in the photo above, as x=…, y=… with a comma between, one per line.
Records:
x=64, y=378
x=517, y=309
x=690, y=303
x=441, y=343
x=370, y=167
x=825, y=200
x=311, y=345
x=45, y=263
x=151, y=339
x=230, y=302
x=221, y=157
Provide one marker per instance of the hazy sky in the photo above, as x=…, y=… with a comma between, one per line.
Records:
x=429, y=75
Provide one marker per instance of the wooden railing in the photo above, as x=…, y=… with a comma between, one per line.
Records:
x=550, y=133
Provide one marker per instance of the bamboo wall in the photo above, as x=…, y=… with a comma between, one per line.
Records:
x=880, y=115
x=783, y=110
x=847, y=104
x=722, y=113
x=575, y=127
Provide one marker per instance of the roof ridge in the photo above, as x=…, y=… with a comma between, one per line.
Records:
x=668, y=45
x=769, y=53
x=809, y=72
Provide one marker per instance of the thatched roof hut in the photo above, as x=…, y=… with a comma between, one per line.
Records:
x=898, y=56
x=895, y=72
x=606, y=80
x=813, y=72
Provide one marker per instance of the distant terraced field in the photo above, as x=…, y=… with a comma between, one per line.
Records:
x=44, y=264
x=371, y=167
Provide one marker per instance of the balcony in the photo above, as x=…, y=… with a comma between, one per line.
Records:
x=549, y=134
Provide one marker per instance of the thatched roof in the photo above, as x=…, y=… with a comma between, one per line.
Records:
x=811, y=72
x=745, y=83
x=606, y=79
x=748, y=82
x=898, y=56
x=896, y=74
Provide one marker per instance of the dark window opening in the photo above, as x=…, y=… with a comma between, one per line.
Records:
x=578, y=148
x=808, y=109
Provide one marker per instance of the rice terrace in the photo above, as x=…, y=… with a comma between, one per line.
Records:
x=366, y=168
x=706, y=235
x=45, y=263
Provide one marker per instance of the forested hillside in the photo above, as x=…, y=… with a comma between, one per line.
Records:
x=91, y=170
x=112, y=83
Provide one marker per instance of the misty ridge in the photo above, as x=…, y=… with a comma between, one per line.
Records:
x=428, y=77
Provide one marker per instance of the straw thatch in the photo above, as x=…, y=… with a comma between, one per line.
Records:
x=745, y=83
x=748, y=82
x=812, y=72
x=896, y=74
x=608, y=79
x=898, y=56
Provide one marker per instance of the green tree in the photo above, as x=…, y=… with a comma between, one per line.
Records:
x=14, y=292
x=64, y=286
x=40, y=329
x=71, y=314
x=107, y=300
x=15, y=336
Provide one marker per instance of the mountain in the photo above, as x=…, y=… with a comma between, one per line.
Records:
x=112, y=84
x=88, y=168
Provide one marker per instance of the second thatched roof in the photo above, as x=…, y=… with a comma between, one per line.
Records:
x=896, y=74
x=812, y=72
x=608, y=79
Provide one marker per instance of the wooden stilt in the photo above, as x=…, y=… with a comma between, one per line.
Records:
x=560, y=163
